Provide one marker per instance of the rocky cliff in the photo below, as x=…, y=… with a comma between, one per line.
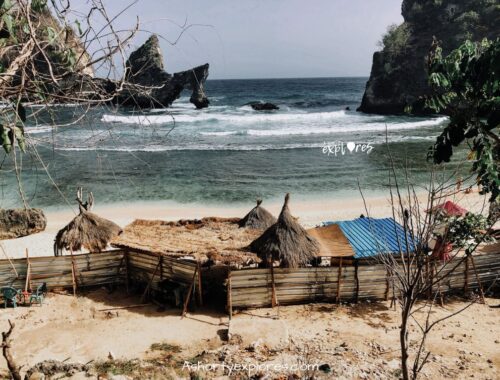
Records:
x=399, y=76
x=70, y=77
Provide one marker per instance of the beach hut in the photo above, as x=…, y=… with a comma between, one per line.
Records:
x=333, y=244
x=258, y=218
x=286, y=241
x=448, y=208
x=87, y=230
x=369, y=237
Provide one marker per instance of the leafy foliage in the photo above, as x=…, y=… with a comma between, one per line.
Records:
x=395, y=40
x=466, y=85
x=467, y=231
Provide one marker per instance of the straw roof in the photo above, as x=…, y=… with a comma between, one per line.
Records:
x=332, y=241
x=287, y=241
x=86, y=230
x=215, y=240
x=258, y=218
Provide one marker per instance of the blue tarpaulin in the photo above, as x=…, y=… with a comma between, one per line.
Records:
x=369, y=237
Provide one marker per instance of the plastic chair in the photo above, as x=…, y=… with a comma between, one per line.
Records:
x=10, y=294
x=38, y=295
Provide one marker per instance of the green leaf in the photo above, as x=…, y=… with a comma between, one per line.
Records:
x=19, y=133
x=5, y=139
x=8, y=20
x=38, y=5
x=79, y=27
x=51, y=34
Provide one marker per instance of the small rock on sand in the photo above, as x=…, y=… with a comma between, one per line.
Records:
x=269, y=332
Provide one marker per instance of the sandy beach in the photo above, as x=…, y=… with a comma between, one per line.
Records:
x=309, y=212
x=355, y=340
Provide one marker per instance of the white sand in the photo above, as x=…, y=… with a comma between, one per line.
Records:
x=310, y=213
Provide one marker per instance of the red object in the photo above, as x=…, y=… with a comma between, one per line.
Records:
x=450, y=208
x=442, y=250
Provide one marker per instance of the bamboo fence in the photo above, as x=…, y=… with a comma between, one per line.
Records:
x=352, y=280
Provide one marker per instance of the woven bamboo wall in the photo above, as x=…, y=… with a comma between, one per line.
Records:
x=361, y=280
x=143, y=266
x=96, y=269
x=90, y=269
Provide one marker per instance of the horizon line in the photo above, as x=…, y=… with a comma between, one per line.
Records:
x=275, y=78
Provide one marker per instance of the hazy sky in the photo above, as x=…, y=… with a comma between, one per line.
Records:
x=266, y=38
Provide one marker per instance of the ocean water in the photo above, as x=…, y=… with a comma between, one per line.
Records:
x=228, y=153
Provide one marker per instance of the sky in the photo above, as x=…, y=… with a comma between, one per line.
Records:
x=264, y=38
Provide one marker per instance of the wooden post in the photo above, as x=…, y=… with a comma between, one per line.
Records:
x=274, y=300
x=478, y=279
x=387, y=285
x=127, y=271
x=150, y=281
x=339, y=280
x=200, y=290
x=466, y=274
x=430, y=276
x=229, y=297
x=188, y=298
x=73, y=273
x=356, y=278
x=10, y=261
x=28, y=271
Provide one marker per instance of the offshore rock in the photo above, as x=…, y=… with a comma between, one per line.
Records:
x=258, y=106
x=150, y=86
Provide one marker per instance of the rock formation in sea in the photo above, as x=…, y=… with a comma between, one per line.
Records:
x=260, y=106
x=146, y=85
x=16, y=223
x=145, y=68
x=399, y=75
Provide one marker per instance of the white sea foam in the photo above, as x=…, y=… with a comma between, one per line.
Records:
x=334, y=129
x=38, y=129
x=236, y=118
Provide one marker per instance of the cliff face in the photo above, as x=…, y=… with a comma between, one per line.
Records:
x=58, y=42
x=399, y=74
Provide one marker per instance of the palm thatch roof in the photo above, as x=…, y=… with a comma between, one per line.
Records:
x=208, y=240
x=258, y=218
x=86, y=230
x=287, y=241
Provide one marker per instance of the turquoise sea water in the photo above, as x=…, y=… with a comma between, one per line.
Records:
x=227, y=153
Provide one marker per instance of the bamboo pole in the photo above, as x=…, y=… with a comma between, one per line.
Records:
x=356, y=278
x=188, y=298
x=127, y=271
x=274, y=300
x=73, y=272
x=387, y=285
x=466, y=274
x=28, y=271
x=478, y=279
x=229, y=298
x=151, y=280
x=200, y=290
x=339, y=280
x=10, y=261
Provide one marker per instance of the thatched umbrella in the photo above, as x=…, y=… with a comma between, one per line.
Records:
x=258, y=218
x=86, y=230
x=287, y=241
